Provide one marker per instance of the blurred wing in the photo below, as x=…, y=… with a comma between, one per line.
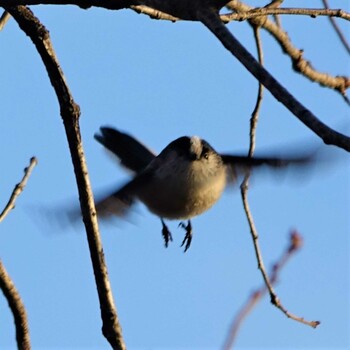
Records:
x=117, y=204
x=120, y=202
x=241, y=165
x=132, y=154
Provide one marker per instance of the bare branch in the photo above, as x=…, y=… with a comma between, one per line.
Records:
x=206, y=11
x=266, y=11
x=295, y=243
x=273, y=296
x=145, y=6
x=244, y=193
x=123, y=4
x=18, y=188
x=339, y=83
x=70, y=113
x=212, y=21
x=255, y=115
x=17, y=308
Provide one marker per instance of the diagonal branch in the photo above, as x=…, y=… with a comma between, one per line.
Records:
x=299, y=63
x=18, y=188
x=213, y=22
x=70, y=113
x=206, y=11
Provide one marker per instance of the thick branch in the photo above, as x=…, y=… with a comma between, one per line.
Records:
x=328, y=135
x=70, y=113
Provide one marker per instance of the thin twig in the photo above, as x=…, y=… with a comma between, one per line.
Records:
x=266, y=11
x=295, y=243
x=273, y=296
x=18, y=188
x=255, y=115
x=337, y=29
x=244, y=193
x=70, y=113
x=17, y=307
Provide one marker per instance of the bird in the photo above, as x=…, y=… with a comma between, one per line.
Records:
x=183, y=181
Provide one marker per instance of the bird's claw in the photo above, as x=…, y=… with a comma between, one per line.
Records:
x=188, y=236
x=166, y=235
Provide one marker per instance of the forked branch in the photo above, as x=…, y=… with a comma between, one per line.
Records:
x=295, y=243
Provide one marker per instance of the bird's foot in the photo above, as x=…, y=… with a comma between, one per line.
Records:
x=166, y=234
x=188, y=237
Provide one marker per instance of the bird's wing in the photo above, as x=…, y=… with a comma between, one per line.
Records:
x=132, y=154
x=119, y=202
x=240, y=165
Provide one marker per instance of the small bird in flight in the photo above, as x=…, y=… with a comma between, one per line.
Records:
x=186, y=179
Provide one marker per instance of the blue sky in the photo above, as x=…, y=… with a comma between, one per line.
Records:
x=158, y=81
